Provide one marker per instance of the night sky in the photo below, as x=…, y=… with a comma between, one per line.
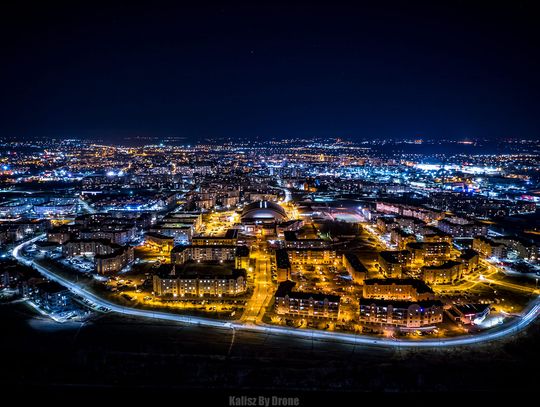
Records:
x=379, y=69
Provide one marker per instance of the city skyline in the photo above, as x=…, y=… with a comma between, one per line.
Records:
x=280, y=247
x=269, y=204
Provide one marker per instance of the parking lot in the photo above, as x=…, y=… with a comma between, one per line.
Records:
x=82, y=264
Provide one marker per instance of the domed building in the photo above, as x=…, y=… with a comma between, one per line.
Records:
x=263, y=211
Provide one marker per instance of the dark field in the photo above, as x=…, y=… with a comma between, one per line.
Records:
x=131, y=356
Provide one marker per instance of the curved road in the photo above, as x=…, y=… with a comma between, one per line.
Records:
x=530, y=313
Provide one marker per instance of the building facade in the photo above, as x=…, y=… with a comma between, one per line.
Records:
x=445, y=273
x=305, y=305
x=167, y=282
x=407, y=289
x=402, y=314
x=391, y=263
x=355, y=267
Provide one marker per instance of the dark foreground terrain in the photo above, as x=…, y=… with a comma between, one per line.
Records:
x=128, y=356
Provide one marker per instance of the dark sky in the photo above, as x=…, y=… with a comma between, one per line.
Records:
x=377, y=69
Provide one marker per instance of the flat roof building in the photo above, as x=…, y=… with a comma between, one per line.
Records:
x=402, y=289
x=355, y=267
x=445, y=273
x=403, y=314
x=304, y=304
x=469, y=314
x=193, y=279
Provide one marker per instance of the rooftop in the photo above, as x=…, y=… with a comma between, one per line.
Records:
x=282, y=259
x=52, y=287
x=355, y=262
x=207, y=269
x=445, y=265
x=263, y=210
x=419, y=285
x=158, y=236
x=422, y=245
x=468, y=254
x=286, y=289
x=400, y=304
x=392, y=256
x=230, y=234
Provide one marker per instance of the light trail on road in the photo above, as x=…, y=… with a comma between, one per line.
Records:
x=529, y=314
x=87, y=206
x=288, y=195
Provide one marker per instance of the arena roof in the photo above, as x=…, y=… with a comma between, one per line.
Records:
x=264, y=210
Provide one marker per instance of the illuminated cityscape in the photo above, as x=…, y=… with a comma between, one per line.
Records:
x=347, y=255
x=329, y=236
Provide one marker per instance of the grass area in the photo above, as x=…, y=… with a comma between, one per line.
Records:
x=212, y=268
x=520, y=280
x=199, y=312
x=148, y=255
x=140, y=268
